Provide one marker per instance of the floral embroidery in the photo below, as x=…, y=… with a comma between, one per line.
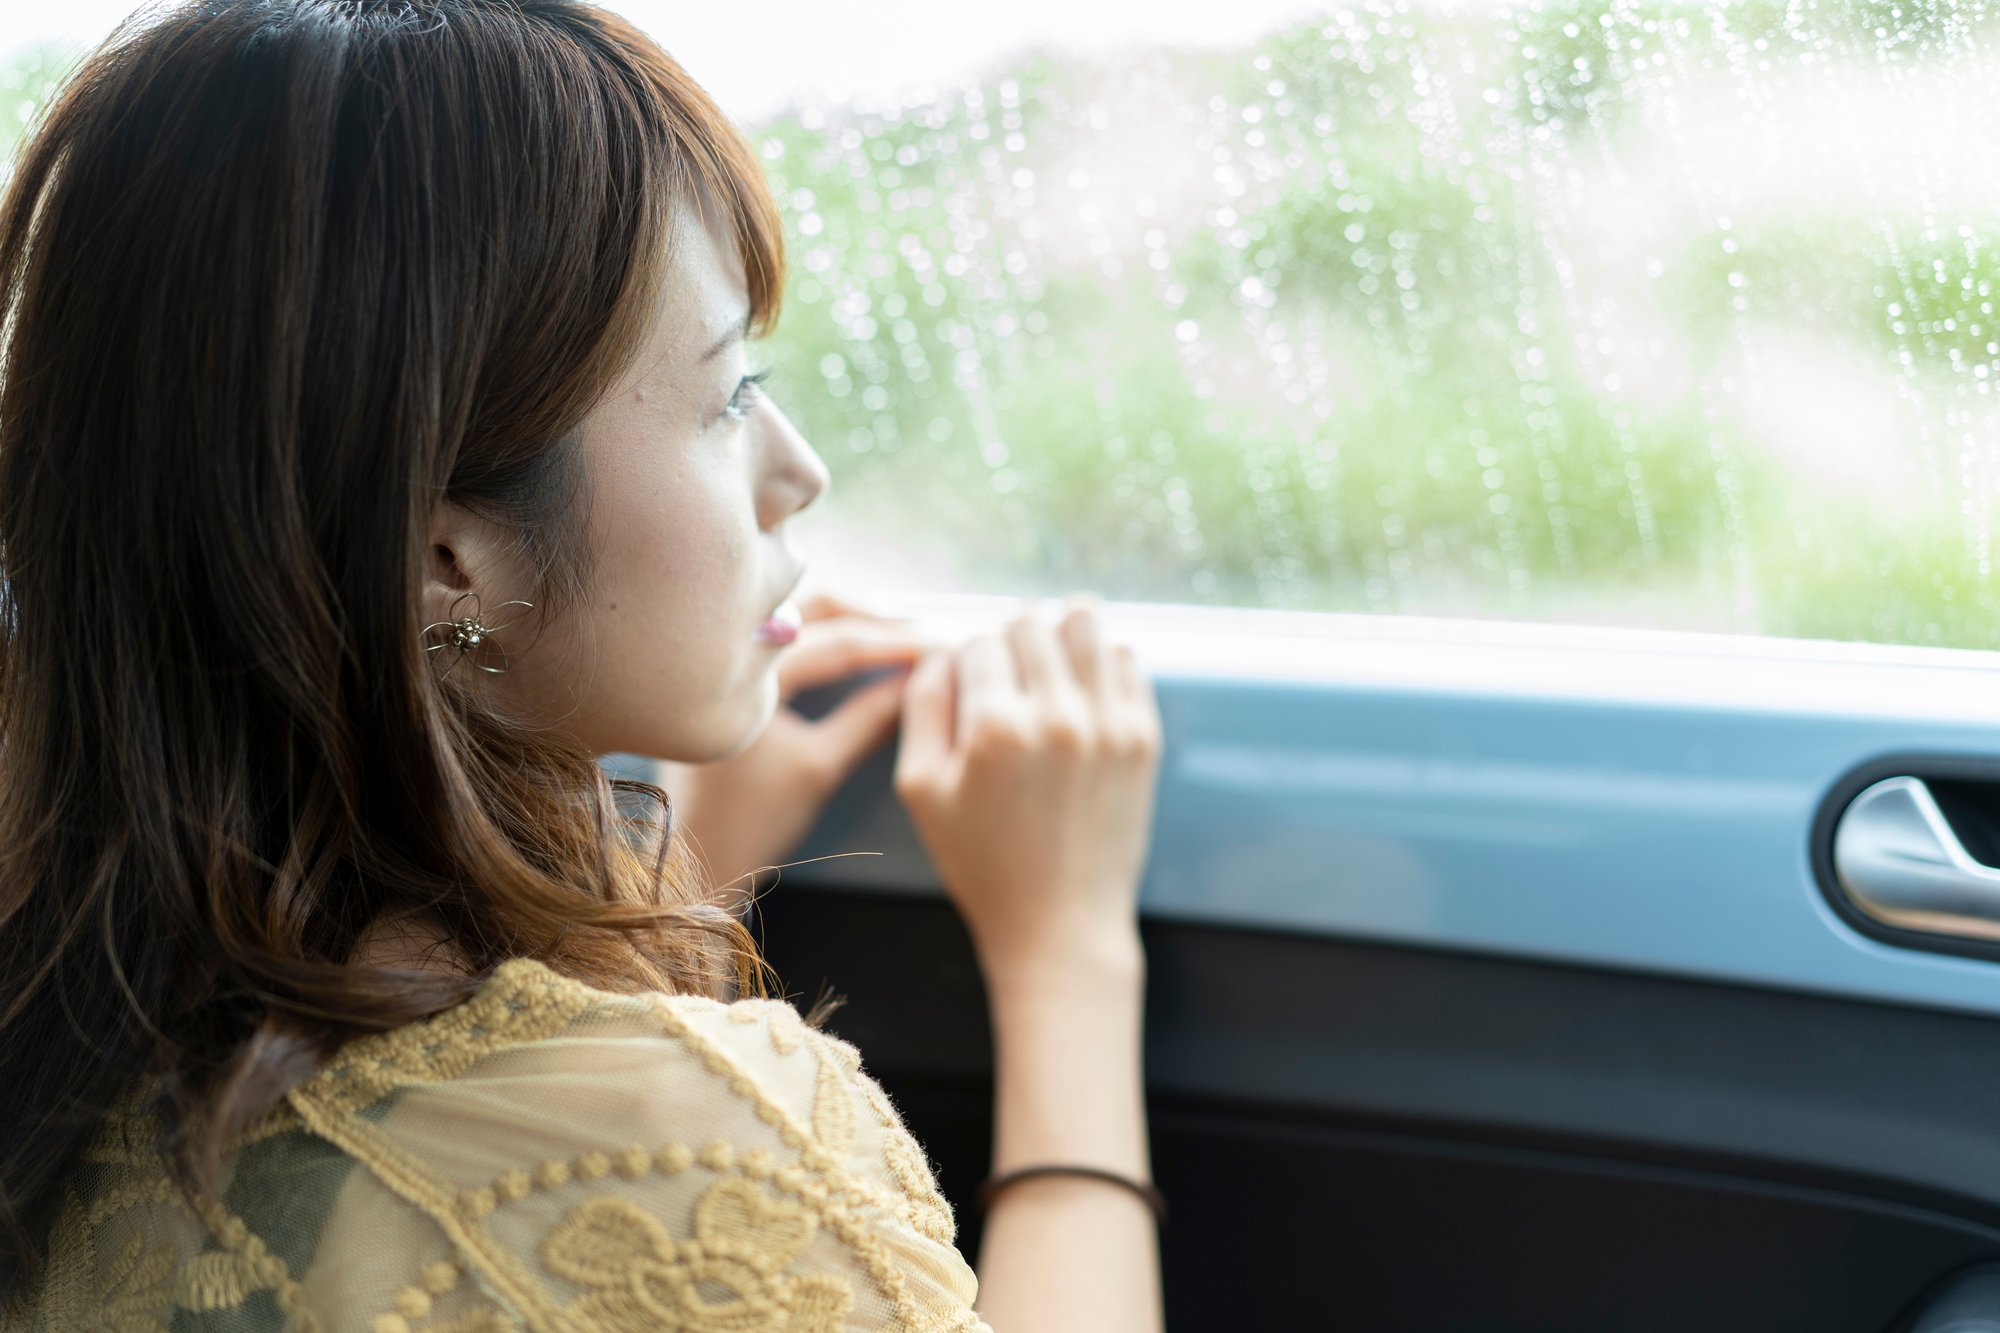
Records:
x=833, y=1111
x=414, y=1302
x=929, y=1211
x=792, y=1168
x=138, y=1283
x=787, y=1029
x=727, y=1279
x=508, y=1011
x=844, y=1053
x=134, y=1294
x=217, y=1280
x=487, y=1320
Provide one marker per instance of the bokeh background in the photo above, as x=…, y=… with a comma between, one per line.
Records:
x=1674, y=315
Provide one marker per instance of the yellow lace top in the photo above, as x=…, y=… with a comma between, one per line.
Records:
x=545, y=1156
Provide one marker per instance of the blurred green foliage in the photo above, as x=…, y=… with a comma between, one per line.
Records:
x=1362, y=382
x=1327, y=349
x=27, y=78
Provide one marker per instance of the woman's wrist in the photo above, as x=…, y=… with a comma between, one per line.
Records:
x=1084, y=963
x=1068, y=1042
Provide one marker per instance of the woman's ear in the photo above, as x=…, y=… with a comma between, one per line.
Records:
x=464, y=554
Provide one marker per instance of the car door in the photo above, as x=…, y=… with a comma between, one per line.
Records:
x=1499, y=978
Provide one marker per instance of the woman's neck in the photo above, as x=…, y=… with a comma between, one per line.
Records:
x=414, y=942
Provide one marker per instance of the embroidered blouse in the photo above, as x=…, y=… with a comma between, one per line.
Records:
x=544, y=1156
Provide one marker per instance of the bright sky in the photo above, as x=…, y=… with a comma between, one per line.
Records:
x=755, y=58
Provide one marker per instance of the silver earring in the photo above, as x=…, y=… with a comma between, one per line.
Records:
x=465, y=635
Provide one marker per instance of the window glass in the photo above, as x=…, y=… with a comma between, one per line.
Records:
x=1605, y=311
x=1654, y=314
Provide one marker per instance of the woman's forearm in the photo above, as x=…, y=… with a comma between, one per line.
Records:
x=1068, y=1253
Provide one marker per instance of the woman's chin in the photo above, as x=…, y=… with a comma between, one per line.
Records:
x=768, y=704
x=722, y=734
x=756, y=722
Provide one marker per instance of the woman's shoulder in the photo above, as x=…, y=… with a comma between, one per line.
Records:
x=607, y=1160
x=620, y=1130
x=529, y=1022
x=523, y=1004
x=542, y=1063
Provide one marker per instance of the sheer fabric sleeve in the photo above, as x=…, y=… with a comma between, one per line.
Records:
x=674, y=1163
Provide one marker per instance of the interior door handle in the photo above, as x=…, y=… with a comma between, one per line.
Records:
x=1897, y=859
x=1967, y=1302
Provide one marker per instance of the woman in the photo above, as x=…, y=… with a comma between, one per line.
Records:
x=377, y=451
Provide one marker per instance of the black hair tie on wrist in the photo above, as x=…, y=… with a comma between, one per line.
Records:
x=994, y=1184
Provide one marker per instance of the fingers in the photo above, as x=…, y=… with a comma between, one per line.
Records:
x=1033, y=683
x=1038, y=656
x=929, y=721
x=1083, y=638
x=987, y=680
x=1110, y=676
x=1137, y=729
x=832, y=650
x=828, y=606
x=1125, y=674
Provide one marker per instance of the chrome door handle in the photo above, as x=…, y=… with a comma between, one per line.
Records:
x=1898, y=860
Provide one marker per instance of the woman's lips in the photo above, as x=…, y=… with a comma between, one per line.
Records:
x=782, y=626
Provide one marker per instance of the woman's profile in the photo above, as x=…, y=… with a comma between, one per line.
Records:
x=378, y=451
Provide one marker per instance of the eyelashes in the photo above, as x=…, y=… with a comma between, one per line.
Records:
x=749, y=391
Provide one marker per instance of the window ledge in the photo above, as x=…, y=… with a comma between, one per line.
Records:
x=1516, y=659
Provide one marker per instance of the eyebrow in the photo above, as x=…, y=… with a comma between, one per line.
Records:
x=735, y=333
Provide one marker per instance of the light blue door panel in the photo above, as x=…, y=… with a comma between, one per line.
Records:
x=1667, y=838
x=1668, y=831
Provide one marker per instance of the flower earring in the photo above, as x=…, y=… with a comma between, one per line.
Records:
x=468, y=635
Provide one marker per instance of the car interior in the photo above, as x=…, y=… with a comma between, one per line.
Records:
x=1547, y=1012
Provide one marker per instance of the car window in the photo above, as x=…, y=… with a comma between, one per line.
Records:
x=1610, y=312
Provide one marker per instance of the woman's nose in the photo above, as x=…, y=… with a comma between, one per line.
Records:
x=795, y=475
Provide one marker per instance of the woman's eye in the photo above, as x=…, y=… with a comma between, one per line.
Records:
x=748, y=391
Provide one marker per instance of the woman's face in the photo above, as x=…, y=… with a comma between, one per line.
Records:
x=691, y=476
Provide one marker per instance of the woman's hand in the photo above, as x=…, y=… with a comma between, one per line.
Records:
x=748, y=811
x=1028, y=763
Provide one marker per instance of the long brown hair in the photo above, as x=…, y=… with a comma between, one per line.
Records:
x=278, y=276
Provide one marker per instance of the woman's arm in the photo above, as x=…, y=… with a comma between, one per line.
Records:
x=1028, y=763
x=1062, y=1252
